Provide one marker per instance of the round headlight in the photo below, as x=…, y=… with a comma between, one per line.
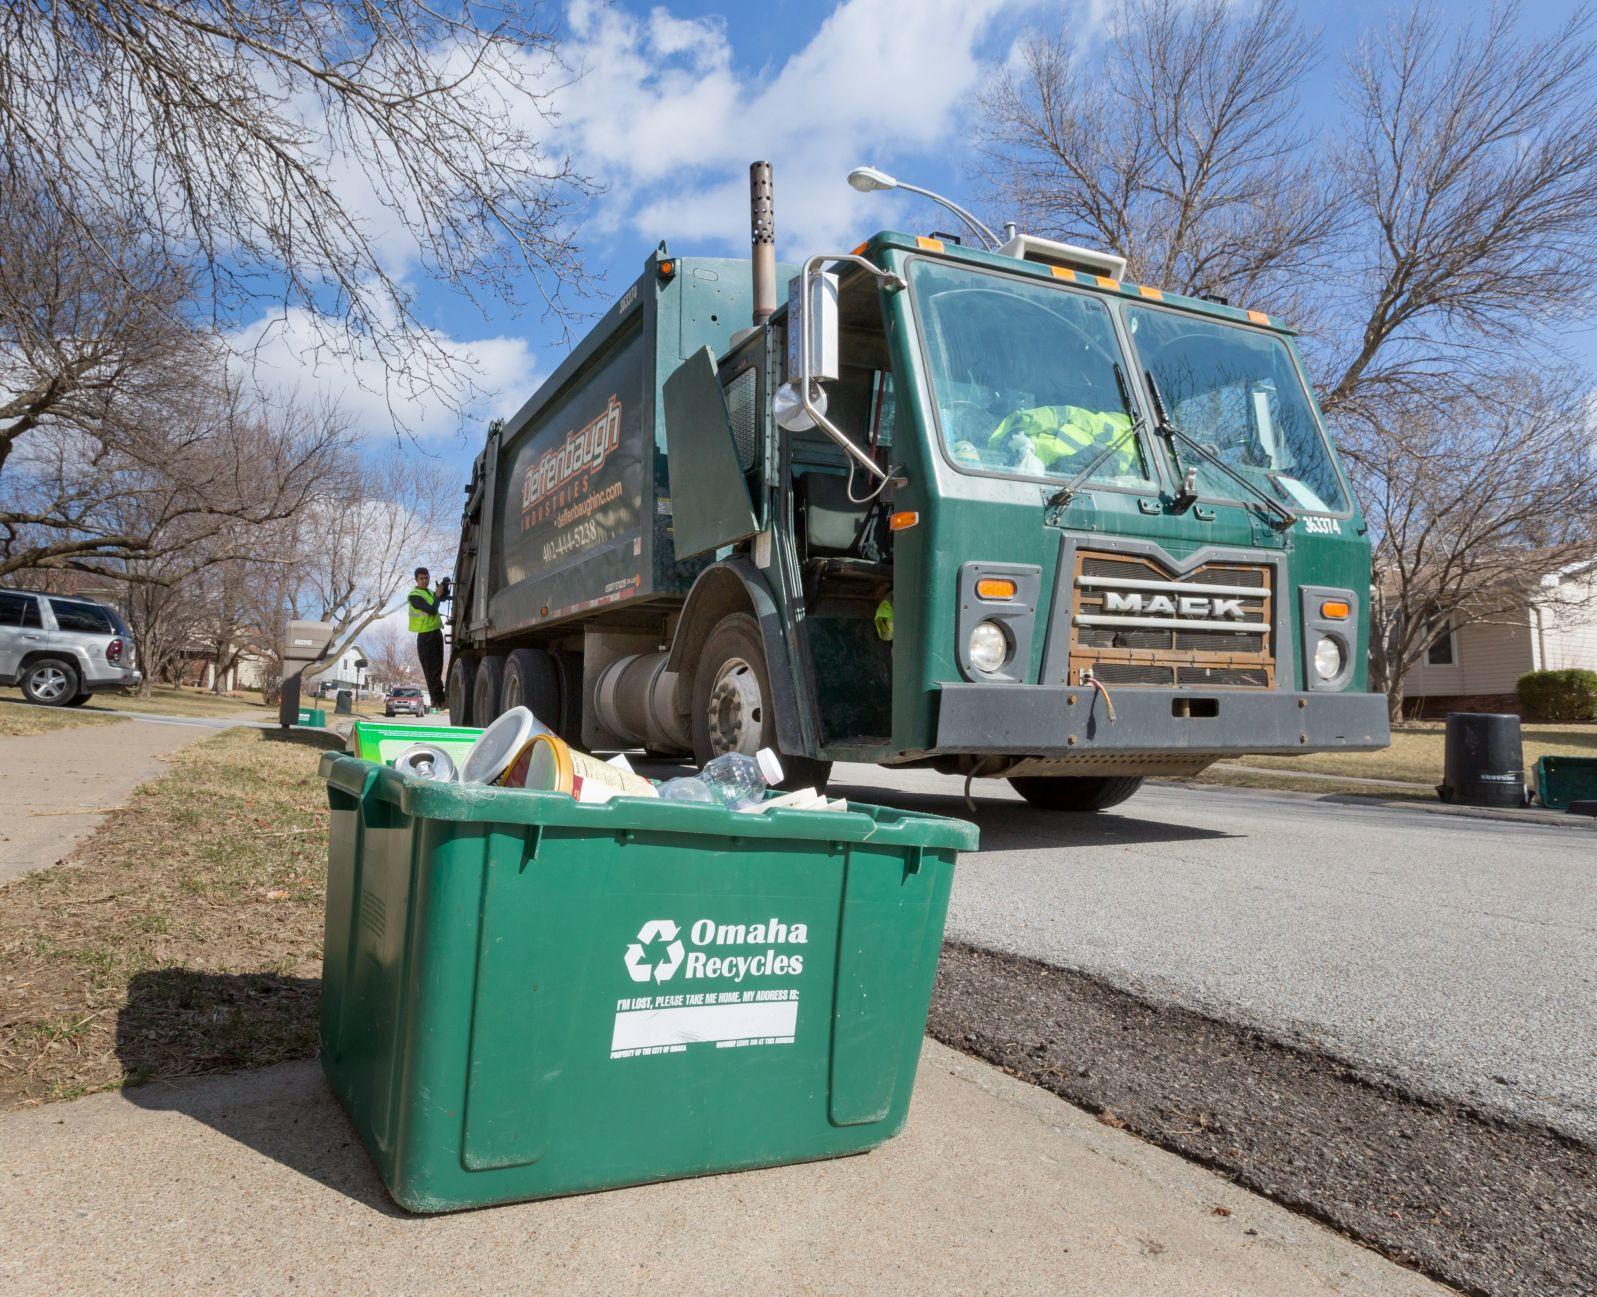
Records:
x=1328, y=658
x=989, y=646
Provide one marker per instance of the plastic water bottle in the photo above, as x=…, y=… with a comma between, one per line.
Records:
x=737, y=779
x=689, y=788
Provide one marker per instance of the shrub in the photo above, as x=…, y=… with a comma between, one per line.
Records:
x=1559, y=695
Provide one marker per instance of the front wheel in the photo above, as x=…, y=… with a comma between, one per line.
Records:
x=733, y=709
x=50, y=682
x=1075, y=792
x=79, y=700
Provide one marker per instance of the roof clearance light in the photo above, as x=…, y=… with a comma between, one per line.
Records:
x=993, y=587
x=1336, y=610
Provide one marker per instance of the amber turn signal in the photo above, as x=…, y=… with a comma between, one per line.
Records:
x=1335, y=610
x=993, y=587
x=667, y=269
x=902, y=521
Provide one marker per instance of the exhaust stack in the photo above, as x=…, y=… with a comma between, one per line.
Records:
x=762, y=223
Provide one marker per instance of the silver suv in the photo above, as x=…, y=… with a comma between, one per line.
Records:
x=60, y=649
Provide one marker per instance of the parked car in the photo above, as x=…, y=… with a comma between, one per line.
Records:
x=60, y=649
x=405, y=698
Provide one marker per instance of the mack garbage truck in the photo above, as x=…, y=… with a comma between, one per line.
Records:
x=981, y=506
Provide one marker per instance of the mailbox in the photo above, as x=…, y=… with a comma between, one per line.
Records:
x=304, y=644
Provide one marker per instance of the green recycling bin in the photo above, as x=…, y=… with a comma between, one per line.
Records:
x=524, y=996
x=384, y=740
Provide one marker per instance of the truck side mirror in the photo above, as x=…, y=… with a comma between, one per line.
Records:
x=817, y=319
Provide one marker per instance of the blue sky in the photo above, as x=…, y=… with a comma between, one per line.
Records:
x=678, y=98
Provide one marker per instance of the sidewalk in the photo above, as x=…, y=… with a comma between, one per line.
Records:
x=57, y=787
x=255, y=1183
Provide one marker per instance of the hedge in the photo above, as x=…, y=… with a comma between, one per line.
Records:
x=1559, y=695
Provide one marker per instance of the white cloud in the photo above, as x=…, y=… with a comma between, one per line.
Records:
x=665, y=119
x=294, y=353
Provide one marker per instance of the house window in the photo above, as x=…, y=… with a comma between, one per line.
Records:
x=1440, y=653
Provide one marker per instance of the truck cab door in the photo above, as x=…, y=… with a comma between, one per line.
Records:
x=709, y=455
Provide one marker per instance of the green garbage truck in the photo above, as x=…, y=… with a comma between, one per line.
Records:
x=979, y=506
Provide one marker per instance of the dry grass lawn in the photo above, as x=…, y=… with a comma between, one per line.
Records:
x=1417, y=751
x=18, y=719
x=183, y=937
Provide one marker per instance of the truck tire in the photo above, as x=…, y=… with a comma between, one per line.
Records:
x=486, y=690
x=732, y=709
x=532, y=680
x=50, y=682
x=458, y=688
x=1076, y=792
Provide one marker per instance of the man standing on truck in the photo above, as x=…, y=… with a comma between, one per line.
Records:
x=428, y=627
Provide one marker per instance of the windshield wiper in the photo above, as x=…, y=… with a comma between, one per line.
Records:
x=1065, y=494
x=1165, y=428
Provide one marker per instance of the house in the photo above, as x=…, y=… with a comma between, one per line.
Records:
x=1475, y=667
x=348, y=672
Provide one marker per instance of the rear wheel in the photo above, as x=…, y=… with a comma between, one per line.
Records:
x=733, y=710
x=485, y=704
x=1076, y=792
x=532, y=680
x=459, y=688
x=50, y=682
x=78, y=701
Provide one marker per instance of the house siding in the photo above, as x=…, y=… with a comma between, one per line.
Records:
x=1568, y=637
x=1488, y=658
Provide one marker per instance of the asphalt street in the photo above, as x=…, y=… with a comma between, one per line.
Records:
x=1455, y=955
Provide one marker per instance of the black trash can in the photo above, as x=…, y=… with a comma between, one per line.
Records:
x=1485, y=763
x=345, y=706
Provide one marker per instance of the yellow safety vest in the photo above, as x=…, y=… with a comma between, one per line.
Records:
x=424, y=621
x=1057, y=431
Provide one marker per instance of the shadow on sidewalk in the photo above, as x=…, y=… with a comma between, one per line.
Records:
x=181, y=1029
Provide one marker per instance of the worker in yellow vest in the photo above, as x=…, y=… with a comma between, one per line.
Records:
x=1042, y=439
x=428, y=628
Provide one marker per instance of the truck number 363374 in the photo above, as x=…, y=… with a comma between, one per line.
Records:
x=1323, y=526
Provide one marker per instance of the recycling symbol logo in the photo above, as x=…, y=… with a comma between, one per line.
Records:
x=657, y=953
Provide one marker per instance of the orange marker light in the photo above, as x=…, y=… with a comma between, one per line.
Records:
x=928, y=245
x=903, y=521
x=1152, y=294
x=1105, y=282
x=1258, y=317
x=994, y=587
x=667, y=269
x=860, y=251
x=1061, y=272
x=1336, y=610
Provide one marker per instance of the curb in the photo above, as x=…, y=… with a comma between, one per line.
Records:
x=1550, y=819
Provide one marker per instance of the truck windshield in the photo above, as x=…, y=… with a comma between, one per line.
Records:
x=1024, y=376
x=1238, y=393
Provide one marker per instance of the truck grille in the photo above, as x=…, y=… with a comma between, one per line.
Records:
x=1136, y=624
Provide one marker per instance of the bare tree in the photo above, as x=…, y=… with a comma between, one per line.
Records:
x=1472, y=501
x=122, y=437
x=302, y=152
x=1180, y=148
x=1472, y=174
x=371, y=526
x=392, y=654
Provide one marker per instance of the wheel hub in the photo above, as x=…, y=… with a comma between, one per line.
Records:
x=736, y=709
x=50, y=682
